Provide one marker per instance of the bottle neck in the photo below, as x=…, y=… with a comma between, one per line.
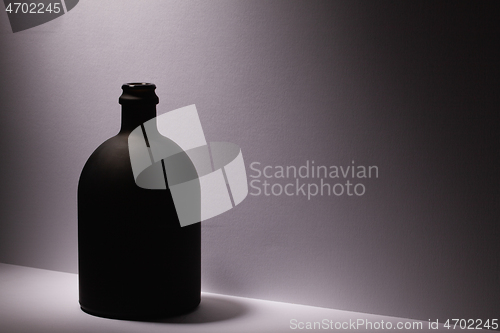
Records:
x=136, y=115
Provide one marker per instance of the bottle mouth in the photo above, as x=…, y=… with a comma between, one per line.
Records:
x=138, y=85
x=138, y=93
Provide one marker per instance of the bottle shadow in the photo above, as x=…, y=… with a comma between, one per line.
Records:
x=211, y=309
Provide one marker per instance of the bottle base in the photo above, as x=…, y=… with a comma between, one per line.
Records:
x=146, y=316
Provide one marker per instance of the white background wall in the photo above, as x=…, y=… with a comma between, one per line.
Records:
x=411, y=87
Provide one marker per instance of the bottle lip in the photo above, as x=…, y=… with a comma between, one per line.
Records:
x=138, y=93
x=138, y=85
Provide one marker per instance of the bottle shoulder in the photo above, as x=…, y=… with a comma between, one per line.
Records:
x=112, y=160
x=109, y=157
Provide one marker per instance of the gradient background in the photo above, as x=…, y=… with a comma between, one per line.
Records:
x=412, y=87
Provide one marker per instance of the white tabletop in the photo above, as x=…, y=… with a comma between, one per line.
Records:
x=43, y=301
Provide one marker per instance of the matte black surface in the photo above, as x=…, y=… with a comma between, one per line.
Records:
x=135, y=261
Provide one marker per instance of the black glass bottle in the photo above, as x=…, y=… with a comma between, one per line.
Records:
x=135, y=260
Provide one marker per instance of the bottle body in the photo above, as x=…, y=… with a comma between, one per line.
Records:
x=135, y=260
